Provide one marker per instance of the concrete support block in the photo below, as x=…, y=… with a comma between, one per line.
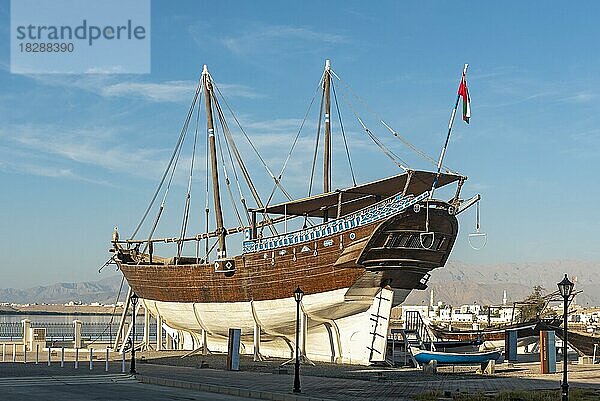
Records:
x=77, y=333
x=487, y=368
x=26, y=333
x=430, y=368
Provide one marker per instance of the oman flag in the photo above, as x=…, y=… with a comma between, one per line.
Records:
x=466, y=99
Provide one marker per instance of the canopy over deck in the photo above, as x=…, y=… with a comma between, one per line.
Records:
x=355, y=198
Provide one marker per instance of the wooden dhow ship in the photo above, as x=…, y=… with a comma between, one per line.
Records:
x=356, y=252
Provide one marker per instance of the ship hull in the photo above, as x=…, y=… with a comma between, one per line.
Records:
x=353, y=270
x=337, y=330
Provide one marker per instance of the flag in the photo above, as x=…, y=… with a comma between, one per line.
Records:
x=466, y=99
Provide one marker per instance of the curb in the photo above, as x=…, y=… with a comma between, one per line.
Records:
x=211, y=388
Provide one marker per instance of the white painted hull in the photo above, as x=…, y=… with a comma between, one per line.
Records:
x=337, y=329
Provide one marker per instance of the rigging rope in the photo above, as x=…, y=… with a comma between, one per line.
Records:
x=401, y=138
x=289, y=155
x=188, y=200
x=112, y=317
x=162, y=204
x=228, y=135
x=227, y=182
x=173, y=155
x=337, y=106
x=254, y=148
x=389, y=153
x=238, y=158
x=235, y=174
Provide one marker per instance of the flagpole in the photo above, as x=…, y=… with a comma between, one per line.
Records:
x=450, y=124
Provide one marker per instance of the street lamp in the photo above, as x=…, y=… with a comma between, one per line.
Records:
x=298, y=294
x=134, y=301
x=566, y=288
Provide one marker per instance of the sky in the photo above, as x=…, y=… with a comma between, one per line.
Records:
x=82, y=153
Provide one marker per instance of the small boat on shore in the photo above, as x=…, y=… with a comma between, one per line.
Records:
x=454, y=358
x=491, y=334
x=582, y=343
x=455, y=345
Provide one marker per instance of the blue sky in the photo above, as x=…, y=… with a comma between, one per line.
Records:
x=80, y=154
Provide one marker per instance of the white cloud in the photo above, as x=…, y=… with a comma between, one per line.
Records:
x=38, y=149
x=236, y=90
x=276, y=38
x=170, y=91
x=107, y=85
x=581, y=97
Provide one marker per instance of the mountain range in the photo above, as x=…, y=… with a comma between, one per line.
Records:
x=104, y=291
x=457, y=283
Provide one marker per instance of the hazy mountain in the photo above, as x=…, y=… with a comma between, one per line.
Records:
x=461, y=283
x=457, y=283
x=104, y=291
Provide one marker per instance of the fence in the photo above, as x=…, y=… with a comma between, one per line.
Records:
x=90, y=331
x=11, y=331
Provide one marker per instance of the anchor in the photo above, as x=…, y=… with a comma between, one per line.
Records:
x=477, y=233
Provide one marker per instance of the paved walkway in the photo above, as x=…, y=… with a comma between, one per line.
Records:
x=326, y=382
x=406, y=384
x=52, y=383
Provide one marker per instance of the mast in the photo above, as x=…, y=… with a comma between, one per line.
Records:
x=450, y=123
x=222, y=252
x=327, y=153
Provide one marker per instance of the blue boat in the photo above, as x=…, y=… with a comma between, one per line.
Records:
x=454, y=358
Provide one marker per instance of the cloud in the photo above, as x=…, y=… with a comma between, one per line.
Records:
x=290, y=125
x=38, y=170
x=279, y=38
x=19, y=161
x=514, y=89
x=37, y=149
x=170, y=91
x=581, y=97
x=236, y=90
x=111, y=86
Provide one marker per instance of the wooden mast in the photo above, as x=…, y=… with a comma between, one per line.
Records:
x=327, y=153
x=222, y=252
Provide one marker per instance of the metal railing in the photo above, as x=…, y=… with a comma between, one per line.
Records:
x=90, y=331
x=11, y=331
x=414, y=323
x=57, y=331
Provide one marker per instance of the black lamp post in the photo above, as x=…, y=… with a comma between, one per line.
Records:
x=134, y=301
x=298, y=294
x=566, y=288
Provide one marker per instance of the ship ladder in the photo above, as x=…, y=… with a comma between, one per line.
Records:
x=379, y=325
x=408, y=349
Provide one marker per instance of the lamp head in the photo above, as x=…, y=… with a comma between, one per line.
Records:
x=298, y=294
x=134, y=297
x=565, y=287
